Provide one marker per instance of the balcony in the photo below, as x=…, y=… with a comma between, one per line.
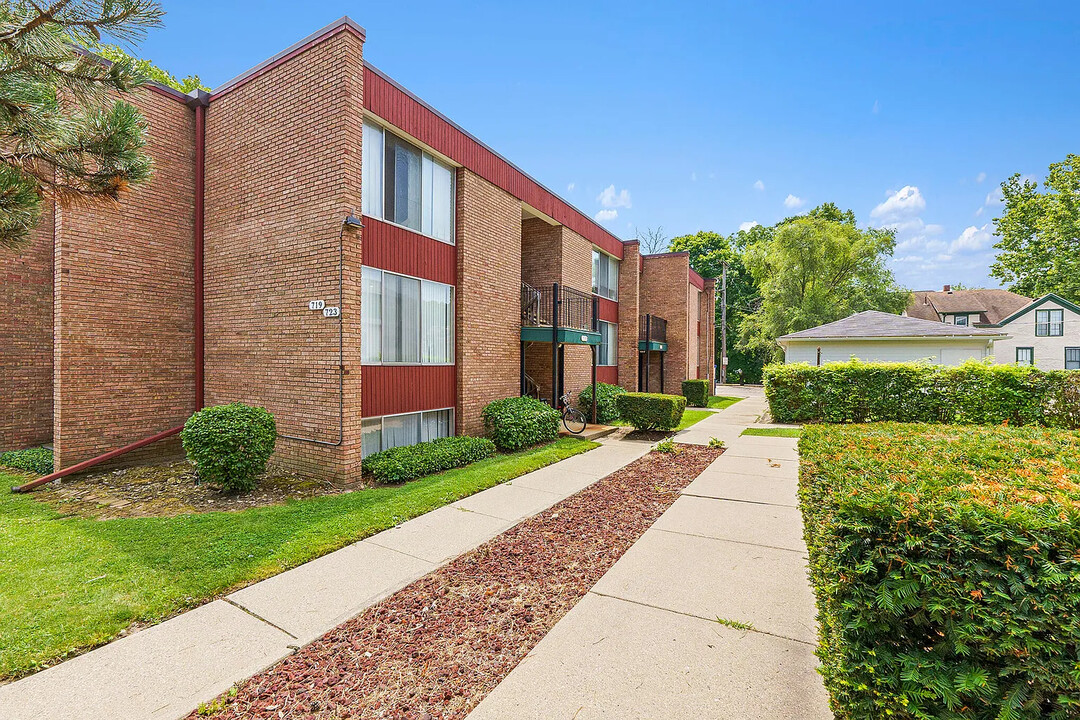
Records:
x=558, y=314
x=652, y=333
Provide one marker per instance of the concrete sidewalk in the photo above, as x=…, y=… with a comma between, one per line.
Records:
x=167, y=670
x=646, y=641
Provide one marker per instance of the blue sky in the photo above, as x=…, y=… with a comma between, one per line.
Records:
x=706, y=116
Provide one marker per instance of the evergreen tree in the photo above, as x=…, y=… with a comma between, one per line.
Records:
x=63, y=137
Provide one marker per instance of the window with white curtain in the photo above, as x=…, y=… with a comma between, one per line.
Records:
x=405, y=185
x=605, y=275
x=1049, y=323
x=383, y=433
x=405, y=320
x=607, y=353
x=371, y=315
x=437, y=321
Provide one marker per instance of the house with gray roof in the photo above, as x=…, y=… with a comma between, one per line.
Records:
x=875, y=336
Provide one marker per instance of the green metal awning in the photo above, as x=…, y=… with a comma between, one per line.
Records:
x=652, y=345
x=568, y=336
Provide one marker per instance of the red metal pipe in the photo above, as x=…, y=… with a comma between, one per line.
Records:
x=96, y=461
x=200, y=156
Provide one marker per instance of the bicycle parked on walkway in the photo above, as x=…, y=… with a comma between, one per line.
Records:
x=572, y=418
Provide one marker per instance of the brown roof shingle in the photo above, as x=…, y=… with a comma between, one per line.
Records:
x=993, y=305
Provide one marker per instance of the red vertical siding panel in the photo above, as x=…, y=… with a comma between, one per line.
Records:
x=400, y=250
x=393, y=389
x=608, y=374
x=608, y=310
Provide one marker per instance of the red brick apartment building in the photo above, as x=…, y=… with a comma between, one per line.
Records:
x=313, y=185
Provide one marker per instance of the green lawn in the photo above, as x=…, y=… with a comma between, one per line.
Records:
x=773, y=432
x=68, y=583
x=719, y=402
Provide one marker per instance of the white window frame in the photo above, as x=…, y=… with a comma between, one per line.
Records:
x=599, y=257
x=957, y=318
x=380, y=418
x=613, y=347
x=368, y=205
x=419, y=323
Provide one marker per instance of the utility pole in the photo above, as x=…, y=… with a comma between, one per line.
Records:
x=723, y=325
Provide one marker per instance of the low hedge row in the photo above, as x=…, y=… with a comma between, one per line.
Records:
x=651, y=411
x=972, y=393
x=696, y=392
x=400, y=464
x=606, y=408
x=520, y=422
x=946, y=565
x=35, y=460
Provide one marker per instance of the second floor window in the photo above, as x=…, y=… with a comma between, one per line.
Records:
x=404, y=185
x=405, y=320
x=961, y=319
x=607, y=353
x=605, y=275
x=1049, y=323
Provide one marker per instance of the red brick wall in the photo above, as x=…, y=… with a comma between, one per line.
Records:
x=282, y=173
x=26, y=343
x=707, y=353
x=664, y=288
x=629, y=311
x=124, y=343
x=488, y=297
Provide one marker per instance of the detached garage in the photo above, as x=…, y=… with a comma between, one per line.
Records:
x=875, y=336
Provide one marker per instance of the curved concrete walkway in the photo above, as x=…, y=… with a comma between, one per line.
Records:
x=655, y=637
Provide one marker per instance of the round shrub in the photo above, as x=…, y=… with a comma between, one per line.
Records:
x=408, y=462
x=229, y=445
x=519, y=422
x=606, y=409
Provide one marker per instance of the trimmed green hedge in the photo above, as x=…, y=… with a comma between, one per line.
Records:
x=651, y=411
x=35, y=460
x=520, y=422
x=696, y=392
x=946, y=565
x=229, y=445
x=606, y=409
x=400, y=464
x=972, y=393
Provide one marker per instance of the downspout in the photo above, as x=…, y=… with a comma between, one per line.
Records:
x=198, y=101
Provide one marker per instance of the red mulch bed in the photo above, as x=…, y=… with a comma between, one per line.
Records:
x=437, y=647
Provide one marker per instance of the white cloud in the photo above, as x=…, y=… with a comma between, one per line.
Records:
x=877, y=107
x=994, y=197
x=981, y=177
x=973, y=239
x=611, y=199
x=748, y=224
x=570, y=187
x=606, y=215
x=759, y=185
x=906, y=202
x=693, y=177
x=792, y=202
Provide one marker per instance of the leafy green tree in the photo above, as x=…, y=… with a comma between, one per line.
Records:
x=816, y=269
x=114, y=53
x=1039, y=249
x=708, y=253
x=62, y=136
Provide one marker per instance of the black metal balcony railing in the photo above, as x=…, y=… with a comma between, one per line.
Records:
x=652, y=328
x=575, y=308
